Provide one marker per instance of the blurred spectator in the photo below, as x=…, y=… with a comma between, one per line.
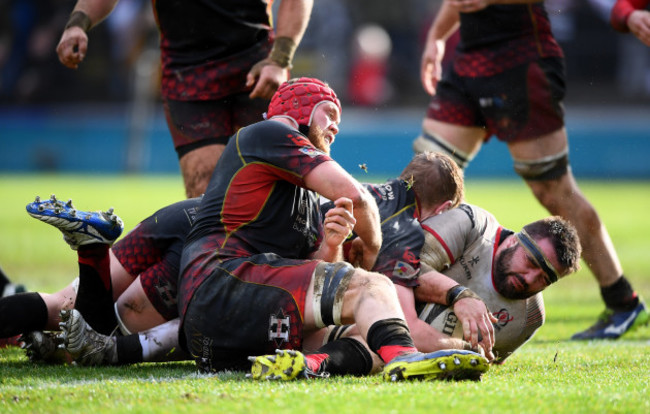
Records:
x=324, y=51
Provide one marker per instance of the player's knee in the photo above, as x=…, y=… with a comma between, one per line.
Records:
x=365, y=283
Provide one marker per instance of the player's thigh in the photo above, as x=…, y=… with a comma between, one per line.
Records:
x=136, y=310
x=467, y=139
x=524, y=102
x=120, y=277
x=454, y=117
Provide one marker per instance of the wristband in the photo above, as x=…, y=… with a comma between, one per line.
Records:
x=453, y=293
x=465, y=293
x=79, y=19
x=282, y=52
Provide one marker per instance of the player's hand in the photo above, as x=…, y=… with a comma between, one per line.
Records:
x=477, y=322
x=361, y=255
x=431, y=65
x=469, y=6
x=267, y=76
x=639, y=24
x=72, y=47
x=339, y=222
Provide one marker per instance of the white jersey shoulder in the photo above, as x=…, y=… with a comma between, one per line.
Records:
x=461, y=244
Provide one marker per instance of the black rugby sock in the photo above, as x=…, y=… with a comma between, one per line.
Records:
x=95, y=295
x=389, y=338
x=129, y=349
x=22, y=313
x=345, y=356
x=620, y=297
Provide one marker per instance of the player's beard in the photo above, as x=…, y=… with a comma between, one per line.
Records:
x=502, y=275
x=317, y=136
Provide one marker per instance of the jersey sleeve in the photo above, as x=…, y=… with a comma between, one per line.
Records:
x=621, y=12
x=445, y=238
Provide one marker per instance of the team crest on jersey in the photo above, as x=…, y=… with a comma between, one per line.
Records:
x=503, y=317
x=311, y=151
x=279, y=328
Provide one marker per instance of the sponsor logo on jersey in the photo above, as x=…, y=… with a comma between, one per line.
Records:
x=279, y=328
x=463, y=263
x=386, y=192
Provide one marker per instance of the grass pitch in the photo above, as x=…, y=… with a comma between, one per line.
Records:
x=549, y=374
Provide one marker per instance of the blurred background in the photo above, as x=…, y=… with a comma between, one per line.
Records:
x=106, y=117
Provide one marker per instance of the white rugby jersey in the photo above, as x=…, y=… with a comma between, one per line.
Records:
x=461, y=244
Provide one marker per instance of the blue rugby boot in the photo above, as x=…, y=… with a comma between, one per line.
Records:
x=78, y=227
x=613, y=325
x=447, y=364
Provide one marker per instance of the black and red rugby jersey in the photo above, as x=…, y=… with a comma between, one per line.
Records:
x=256, y=201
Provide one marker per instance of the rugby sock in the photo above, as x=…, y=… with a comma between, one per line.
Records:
x=345, y=356
x=95, y=294
x=620, y=297
x=129, y=349
x=160, y=343
x=389, y=338
x=22, y=313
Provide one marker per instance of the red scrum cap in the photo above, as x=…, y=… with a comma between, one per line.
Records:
x=297, y=98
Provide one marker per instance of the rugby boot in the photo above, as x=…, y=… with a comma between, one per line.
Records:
x=85, y=345
x=285, y=365
x=42, y=346
x=78, y=227
x=448, y=364
x=613, y=325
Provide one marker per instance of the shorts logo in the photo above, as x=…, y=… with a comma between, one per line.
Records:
x=503, y=317
x=403, y=270
x=279, y=328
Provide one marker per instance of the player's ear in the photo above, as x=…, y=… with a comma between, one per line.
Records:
x=446, y=206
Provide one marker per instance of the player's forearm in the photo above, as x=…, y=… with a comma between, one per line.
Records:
x=293, y=18
x=434, y=287
x=445, y=24
x=96, y=10
x=428, y=339
x=368, y=226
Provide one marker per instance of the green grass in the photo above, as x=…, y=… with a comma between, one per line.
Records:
x=547, y=375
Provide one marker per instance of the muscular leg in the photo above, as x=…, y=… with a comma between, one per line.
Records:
x=466, y=139
x=197, y=166
x=136, y=312
x=562, y=197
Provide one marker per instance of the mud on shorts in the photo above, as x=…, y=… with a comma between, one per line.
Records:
x=518, y=104
x=157, y=268
x=255, y=305
x=195, y=124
